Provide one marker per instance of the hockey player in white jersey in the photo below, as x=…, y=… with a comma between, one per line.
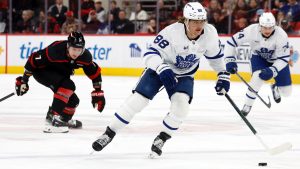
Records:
x=171, y=62
x=269, y=58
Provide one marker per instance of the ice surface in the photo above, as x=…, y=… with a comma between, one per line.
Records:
x=212, y=137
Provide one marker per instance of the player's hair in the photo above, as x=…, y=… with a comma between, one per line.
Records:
x=181, y=19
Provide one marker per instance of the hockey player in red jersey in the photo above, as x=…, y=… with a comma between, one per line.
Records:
x=52, y=67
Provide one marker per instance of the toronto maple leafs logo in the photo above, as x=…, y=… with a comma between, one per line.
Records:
x=265, y=53
x=187, y=62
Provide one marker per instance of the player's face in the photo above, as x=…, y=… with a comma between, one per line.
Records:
x=195, y=27
x=267, y=31
x=74, y=52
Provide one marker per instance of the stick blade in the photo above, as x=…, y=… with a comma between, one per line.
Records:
x=280, y=149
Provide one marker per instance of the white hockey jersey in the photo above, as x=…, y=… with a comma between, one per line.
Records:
x=172, y=46
x=274, y=49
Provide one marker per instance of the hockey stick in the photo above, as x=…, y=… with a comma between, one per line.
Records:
x=272, y=151
x=7, y=96
x=252, y=90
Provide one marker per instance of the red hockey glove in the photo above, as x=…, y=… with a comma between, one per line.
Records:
x=21, y=86
x=98, y=100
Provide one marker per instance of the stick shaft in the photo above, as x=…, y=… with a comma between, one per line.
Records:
x=7, y=96
x=239, y=112
x=252, y=90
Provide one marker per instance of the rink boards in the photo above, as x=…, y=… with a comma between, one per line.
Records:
x=117, y=55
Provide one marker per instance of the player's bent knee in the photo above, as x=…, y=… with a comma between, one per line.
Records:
x=180, y=104
x=68, y=84
x=73, y=101
x=285, y=90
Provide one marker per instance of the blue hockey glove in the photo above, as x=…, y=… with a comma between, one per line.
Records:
x=231, y=65
x=268, y=73
x=223, y=83
x=166, y=76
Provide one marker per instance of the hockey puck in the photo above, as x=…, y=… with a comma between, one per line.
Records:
x=262, y=164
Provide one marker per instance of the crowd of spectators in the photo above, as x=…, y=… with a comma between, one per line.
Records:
x=130, y=16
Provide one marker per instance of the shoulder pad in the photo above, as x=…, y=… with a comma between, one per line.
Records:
x=57, y=51
x=86, y=58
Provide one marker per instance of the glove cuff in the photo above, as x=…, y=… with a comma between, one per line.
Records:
x=162, y=67
x=224, y=76
x=97, y=86
x=230, y=59
x=274, y=70
x=26, y=76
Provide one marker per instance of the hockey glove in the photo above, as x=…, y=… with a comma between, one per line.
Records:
x=268, y=73
x=21, y=86
x=98, y=100
x=223, y=83
x=167, y=76
x=231, y=65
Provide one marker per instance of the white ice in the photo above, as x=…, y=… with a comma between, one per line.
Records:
x=212, y=137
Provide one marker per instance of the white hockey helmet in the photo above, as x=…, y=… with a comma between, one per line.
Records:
x=194, y=11
x=267, y=19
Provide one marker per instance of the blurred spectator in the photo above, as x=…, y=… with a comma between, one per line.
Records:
x=86, y=7
x=277, y=5
x=214, y=6
x=58, y=11
x=240, y=24
x=93, y=24
x=178, y=13
x=292, y=10
x=105, y=28
x=280, y=17
x=240, y=10
x=220, y=23
x=253, y=7
x=101, y=16
x=286, y=26
x=164, y=14
x=71, y=24
x=114, y=10
x=139, y=17
x=255, y=18
x=127, y=8
x=52, y=25
x=151, y=27
x=139, y=13
x=123, y=25
x=27, y=23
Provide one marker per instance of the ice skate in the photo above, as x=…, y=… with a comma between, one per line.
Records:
x=55, y=125
x=276, y=94
x=158, y=143
x=246, y=110
x=74, y=124
x=104, y=139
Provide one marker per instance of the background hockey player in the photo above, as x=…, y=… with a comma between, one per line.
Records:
x=270, y=53
x=171, y=62
x=52, y=67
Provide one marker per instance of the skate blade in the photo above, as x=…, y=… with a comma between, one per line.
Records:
x=153, y=155
x=53, y=129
